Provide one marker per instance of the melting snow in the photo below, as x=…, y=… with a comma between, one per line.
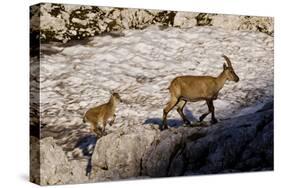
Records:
x=140, y=66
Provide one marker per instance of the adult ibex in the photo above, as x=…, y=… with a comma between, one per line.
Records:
x=196, y=88
x=102, y=114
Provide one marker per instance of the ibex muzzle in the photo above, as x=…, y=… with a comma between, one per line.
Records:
x=185, y=89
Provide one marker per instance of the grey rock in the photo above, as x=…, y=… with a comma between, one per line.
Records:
x=55, y=168
x=74, y=22
x=235, y=145
x=239, y=144
x=118, y=155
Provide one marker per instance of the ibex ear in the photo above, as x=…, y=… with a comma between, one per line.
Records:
x=224, y=66
x=112, y=91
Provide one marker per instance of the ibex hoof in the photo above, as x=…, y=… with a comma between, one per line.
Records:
x=163, y=127
x=213, y=121
x=201, y=118
x=186, y=122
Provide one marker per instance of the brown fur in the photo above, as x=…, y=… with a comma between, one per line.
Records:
x=195, y=88
x=102, y=114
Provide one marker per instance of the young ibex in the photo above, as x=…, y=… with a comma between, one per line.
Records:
x=196, y=88
x=102, y=114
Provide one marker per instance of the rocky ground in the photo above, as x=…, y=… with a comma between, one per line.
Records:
x=236, y=145
x=64, y=23
x=139, y=64
x=240, y=144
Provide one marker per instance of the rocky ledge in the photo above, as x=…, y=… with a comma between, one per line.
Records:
x=59, y=22
x=239, y=144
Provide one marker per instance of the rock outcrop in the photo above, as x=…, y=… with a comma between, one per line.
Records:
x=240, y=144
x=119, y=154
x=63, y=23
x=234, y=145
x=54, y=166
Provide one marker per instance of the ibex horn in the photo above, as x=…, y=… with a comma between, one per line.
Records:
x=227, y=60
x=113, y=91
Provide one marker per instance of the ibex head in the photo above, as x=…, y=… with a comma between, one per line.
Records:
x=229, y=71
x=115, y=96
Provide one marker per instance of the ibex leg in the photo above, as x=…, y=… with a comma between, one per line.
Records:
x=112, y=121
x=181, y=105
x=212, y=109
x=95, y=129
x=202, y=117
x=170, y=105
x=103, y=128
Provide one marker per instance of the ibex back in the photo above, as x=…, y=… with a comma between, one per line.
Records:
x=102, y=114
x=196, y=88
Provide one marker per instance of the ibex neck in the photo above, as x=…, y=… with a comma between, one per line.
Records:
x=221, y=80
x=112, y=102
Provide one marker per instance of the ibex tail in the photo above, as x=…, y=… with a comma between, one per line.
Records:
x=84, y=119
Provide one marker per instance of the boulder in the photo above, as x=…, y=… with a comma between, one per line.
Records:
x=185, y=20
x=240, y=144
x=55, y=168
x=236, y=145
x=229, y=22
x=244, y=23
x=119, y=154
